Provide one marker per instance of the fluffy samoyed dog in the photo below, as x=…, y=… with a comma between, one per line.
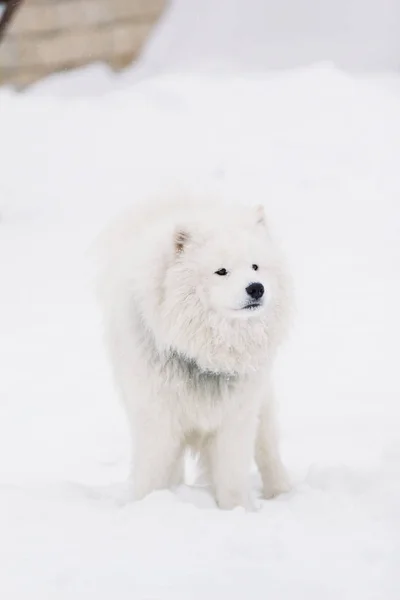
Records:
x=195, y=301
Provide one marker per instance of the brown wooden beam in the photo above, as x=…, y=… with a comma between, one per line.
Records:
x=11, y=7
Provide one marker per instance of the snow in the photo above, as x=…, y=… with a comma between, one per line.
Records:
x=320, y=149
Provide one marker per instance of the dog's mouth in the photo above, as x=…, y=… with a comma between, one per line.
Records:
x=252, y=306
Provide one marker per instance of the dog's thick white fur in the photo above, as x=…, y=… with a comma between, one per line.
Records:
x=192, y=345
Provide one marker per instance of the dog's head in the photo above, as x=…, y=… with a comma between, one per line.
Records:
x=225, y=292
x=227, y=265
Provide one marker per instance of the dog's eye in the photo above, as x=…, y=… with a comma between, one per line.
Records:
x=255, y=267
x=221, y=272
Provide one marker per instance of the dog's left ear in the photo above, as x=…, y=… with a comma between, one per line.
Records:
x=181, y=239
x=260, y=215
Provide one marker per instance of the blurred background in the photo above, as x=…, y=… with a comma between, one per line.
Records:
x=41, y=37
x=45, y=36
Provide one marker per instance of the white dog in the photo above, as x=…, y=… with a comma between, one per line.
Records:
x=196, y=302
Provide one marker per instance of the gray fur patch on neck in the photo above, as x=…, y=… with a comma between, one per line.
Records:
x=193, y=376
x=183, y=373
x=193, y=369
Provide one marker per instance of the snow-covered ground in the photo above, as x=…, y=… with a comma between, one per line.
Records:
x=321, y=150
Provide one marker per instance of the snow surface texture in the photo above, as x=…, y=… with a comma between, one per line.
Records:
x=321, y=150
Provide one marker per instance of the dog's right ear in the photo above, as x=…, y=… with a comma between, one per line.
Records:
x=260, y=215
x=181, y=239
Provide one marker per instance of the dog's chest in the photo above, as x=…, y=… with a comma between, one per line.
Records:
x=202, y=401
x=198, y=385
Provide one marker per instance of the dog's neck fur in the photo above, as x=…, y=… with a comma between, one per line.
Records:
x=211, y=385
x=193, y=369
x=181, y=363
x=180, y=370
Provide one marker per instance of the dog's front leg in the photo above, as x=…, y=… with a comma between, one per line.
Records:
x=231, y=452
x=268, y=459
x=156, y=450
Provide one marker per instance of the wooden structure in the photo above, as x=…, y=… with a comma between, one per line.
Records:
x=7, y=10
x=40, y=37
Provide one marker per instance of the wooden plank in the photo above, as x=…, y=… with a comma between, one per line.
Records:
x=6, y=16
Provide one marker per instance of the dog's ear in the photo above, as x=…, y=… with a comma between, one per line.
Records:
x=260, y=215
x=180, y=240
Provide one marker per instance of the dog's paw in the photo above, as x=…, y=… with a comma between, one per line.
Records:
x=276, y=488
x=230, y=501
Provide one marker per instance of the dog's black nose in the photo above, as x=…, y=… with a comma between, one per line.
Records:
x=255, y=290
